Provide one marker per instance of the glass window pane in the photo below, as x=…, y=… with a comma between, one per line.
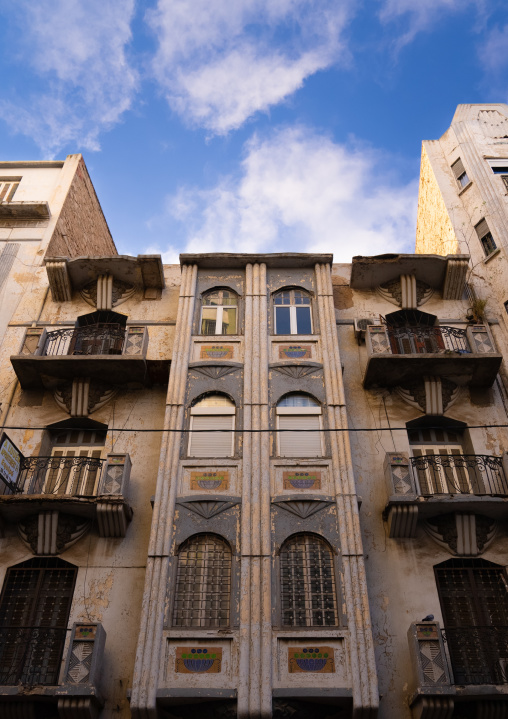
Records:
x=303, y=324
x=229, y=321
x=301, y=298
x=298, y=400
x=282, y=321
x=214, y=298
x=215, y=400
x=208, y=321
x=282, y=298
x=228, y=298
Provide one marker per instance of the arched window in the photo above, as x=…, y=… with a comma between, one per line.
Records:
x=34, y=613
x=203, y=583
x=299, y=411
x=474, y=602
x=292, y=315
x=307, y=581
x=219, y=313
x=212, y=412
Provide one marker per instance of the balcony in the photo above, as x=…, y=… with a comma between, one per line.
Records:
x=111, y=354
x=430, y=485
x=398, y=355
x=31, y=681
x=56, y=487
x=458, y=666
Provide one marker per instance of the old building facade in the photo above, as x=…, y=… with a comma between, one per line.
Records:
x=256, y=485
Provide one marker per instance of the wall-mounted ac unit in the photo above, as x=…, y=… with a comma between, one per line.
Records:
x=361, y=327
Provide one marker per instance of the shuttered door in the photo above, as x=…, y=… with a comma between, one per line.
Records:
x=34, y=613
x=300, y=444
x=211, y=444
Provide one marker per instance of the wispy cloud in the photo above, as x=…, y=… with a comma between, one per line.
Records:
x=298, y=191
x=493, y=51
x=77, y=53
x=218, y=63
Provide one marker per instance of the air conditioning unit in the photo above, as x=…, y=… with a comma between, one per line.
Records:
x=361, y=327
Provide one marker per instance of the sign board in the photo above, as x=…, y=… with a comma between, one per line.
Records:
x=10, y=461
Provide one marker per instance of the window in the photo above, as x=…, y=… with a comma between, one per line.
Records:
x=299, y=412
x=307, y=580
x=34, y=613
x=203, y=583
x=8, y=186
x=500, y=167
x=460, y=174
x=485, y=237
x=474, y=602
x=75, y=464
x=292, y=313
x=219, y=313
x=212, y=412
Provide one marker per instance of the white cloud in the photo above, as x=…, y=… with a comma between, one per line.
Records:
x=78, y=50
x=299, y=191
x=492, y=52
x=219, y=62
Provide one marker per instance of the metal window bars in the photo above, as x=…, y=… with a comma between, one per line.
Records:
x=91, y=340
x=428, y=340
x=58, y=475
x=478, y=655
x=460, y=474
x=308, y=593
x=203, y=583
x=30, y=655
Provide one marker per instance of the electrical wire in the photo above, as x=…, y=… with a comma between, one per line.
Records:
x=268, y=430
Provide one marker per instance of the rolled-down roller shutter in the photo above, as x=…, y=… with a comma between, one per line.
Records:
x=211, y=444
x=300, y=444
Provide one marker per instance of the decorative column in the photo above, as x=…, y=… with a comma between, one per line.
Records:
x=363, y=668
x=150, y=650
x=255, y=675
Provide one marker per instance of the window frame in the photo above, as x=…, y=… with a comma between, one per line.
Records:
x=211, y=411
x=483, y=232
x=297, y=411
x=8, y=188
x=220, y=312
x=292, y=306
x=459, y=172
x=277, y=613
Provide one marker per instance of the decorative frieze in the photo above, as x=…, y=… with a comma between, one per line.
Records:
x=462, y=534
x=52, y=532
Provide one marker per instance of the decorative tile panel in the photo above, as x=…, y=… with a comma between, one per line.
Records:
x=217, y=352
x=379, y=343
x=301, y=480
x=134, y=342
x=481, y=339
x=209, y=481
x=295, y=352
x=311, y=659
x=198, y=660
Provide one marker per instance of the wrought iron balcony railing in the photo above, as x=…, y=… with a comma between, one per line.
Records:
x=477, y=474
x=30, y=655
x=428, y=340
x=74, y=476
x=91, y=340
x=478, y=655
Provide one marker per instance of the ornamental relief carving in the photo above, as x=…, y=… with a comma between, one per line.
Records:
x=99, y=394
x=121, y=292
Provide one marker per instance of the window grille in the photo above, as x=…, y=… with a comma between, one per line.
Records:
x=203, y=583
x=34, y=612
x=308, y=593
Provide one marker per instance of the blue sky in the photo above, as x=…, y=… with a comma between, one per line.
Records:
x=248, y=125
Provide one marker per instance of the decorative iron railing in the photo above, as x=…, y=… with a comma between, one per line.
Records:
x=428, y=340
x=76, y=476
x=30, y=655
x=460, y=474
x=478, y=655
x=90, y=340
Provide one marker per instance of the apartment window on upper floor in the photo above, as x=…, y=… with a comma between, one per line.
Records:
x=8, y=186
x=299, y=418
x=485, y=237
x=219, y=313
x=292, y=312
x=212, y=412
x=460, y=173
x=500, y=168
x=203, y=583
x=307, y=583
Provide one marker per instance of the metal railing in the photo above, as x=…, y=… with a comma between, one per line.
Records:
x=428, y=340
x=91, y=340
x=460, y=474
x=30, y=655
x=75, y=476
x=478, y=655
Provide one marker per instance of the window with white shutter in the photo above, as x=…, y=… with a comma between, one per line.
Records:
x=302, y=414
x=213, y=412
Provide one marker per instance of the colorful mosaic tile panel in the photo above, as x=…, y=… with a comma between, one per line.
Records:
x=301, y=480
x=198, y=660
x=311, y=659
x=209, y=481
x=217, y=352
x=295, y=352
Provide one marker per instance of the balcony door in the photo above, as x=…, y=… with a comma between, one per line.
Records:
x=474, y=602
x=34, y=614
x=76, y=462
x=444, y=470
